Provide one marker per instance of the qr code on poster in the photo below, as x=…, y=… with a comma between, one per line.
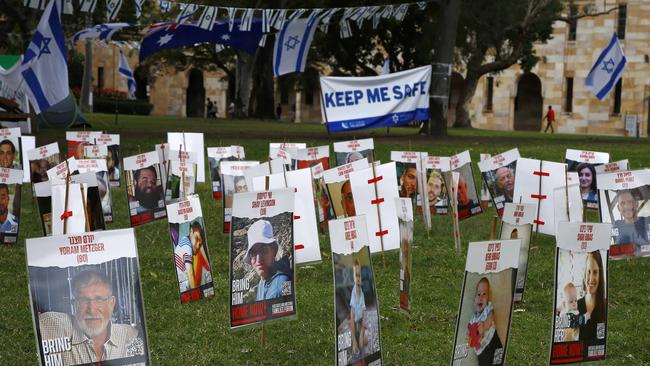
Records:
x=286, y=288
x=600, y=330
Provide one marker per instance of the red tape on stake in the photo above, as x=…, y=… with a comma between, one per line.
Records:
x=381, y=233
x=542, y=174
x=66, y=214
x=299, y=246
x=538, y=196
x=377, y=201
x=539, y=222
x=296, y=217
x=375, y=180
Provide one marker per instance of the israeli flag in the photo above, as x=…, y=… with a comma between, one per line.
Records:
x=87, y=5
x=44, y=65
x=100, y=31
x=138, y=8
x=126, y=72
x=113, y=8
x=34, y=4
x=187, y=11
x=292, y=45
x=607, y=70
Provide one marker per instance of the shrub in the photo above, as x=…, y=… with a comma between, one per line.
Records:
x=124, y=106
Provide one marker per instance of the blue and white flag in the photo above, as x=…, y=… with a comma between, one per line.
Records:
x=246, y=19
x=292, y=45
x=608, y=68
x=125, y=70
x=165, y=6
x=325, y=19
x=353, y=103
x=113, y=8
x=267, y=16
x=100, y=31
x=35, y=4
x=138, y=8
x=87, y=5
x=277, y=21
x=207, y=17
x=44, y=66
x=187, y=10
x=68, y=8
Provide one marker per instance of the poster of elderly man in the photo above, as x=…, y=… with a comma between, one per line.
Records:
x=626, y=208
x=468, y=202
x=499, y=173
x=144, y=188
x=86, y=299
x=10, y=194
x=346, y=152
x=262, y=257
x=190, y=249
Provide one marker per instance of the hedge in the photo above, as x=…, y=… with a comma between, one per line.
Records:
x=125, y=106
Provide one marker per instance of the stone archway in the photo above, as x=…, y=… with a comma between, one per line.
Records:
x=195, y=95
x=529, y=103
x=455, y=86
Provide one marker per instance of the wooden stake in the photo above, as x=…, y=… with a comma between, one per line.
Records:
x=65, y=205
x=86, y=213
x=493, y=229
x=381, y=237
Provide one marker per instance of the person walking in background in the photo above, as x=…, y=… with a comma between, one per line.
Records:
x=211, y=111
x=550, y=119
x=231, y=110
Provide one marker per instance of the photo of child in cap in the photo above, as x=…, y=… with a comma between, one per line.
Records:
x=262, y=255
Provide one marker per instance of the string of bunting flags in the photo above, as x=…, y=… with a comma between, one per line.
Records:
x=205, y=16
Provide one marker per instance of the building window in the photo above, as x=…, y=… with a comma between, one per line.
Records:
x=622, y=19
x=490, y=93
x=100, y=79
x=573, y=24
x=617, y=96
x=309, y=97
x=568, y=101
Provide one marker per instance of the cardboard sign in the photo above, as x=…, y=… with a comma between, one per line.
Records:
x=536, y=182
x=374, y=191
x=486, y=303
x=98, y=166
x=232, y=176
x=144, y=188
x=76, y=279
x=437, y=194
x=581, y=291
x=356, y=304
x=215, y=156
x=190, y=249
x=190, y=141
x=405, y=217
x=518, y=224
x=468, y=201
x=626, y=208
x=305, y=229
x=584, y=163
x=11, y=181
x=346, y=152
x=262, y=270
x=181, y=175
x=113, y=157
x=498, y=173
x=77, y=140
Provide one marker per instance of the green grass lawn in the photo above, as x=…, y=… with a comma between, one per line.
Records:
x=198, y=333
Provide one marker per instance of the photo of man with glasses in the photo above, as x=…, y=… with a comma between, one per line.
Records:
x=89, y=335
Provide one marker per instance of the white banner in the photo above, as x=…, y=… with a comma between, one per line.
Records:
x=353, y=103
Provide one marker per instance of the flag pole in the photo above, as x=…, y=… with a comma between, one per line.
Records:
x=116, y=65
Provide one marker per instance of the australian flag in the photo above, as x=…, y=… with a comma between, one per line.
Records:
x=100, y=31
x=181, y=35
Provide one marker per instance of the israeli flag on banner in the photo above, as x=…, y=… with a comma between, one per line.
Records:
x=35, y=4
x=292, y=45
x=207, y=18
x=187, y=10
x=607, y=70
x=87, y=5
x=126, y=72
x=138, y=8
x=113, y=8
x=68, y=8
x=100, y=31
x=246, y=20
x=44, y=66
x=354, y=103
